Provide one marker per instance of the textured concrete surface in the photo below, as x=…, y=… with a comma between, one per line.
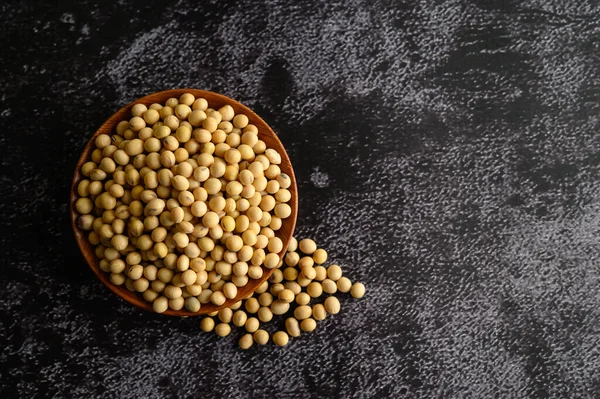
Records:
x=447, y=155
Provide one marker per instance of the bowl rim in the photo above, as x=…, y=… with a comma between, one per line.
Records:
x=108, y=126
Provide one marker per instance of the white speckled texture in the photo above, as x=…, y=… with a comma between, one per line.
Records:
x=446, y=154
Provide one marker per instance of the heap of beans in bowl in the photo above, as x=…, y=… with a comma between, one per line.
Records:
x=183, y=203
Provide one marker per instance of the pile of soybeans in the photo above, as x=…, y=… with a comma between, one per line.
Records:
x=294, y=291
x=183, y=204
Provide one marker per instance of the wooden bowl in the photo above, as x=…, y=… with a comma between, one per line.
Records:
x=215, y=101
